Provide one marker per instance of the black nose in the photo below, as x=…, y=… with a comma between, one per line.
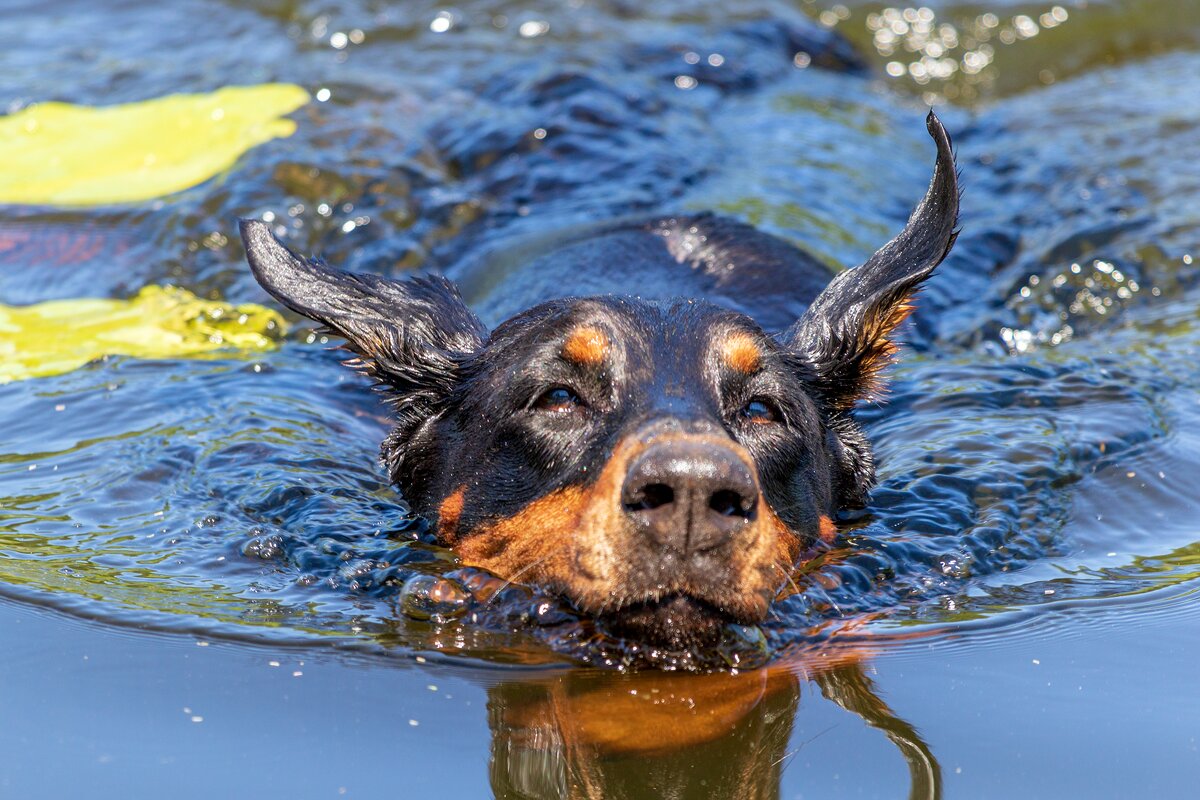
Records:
x=690, y=495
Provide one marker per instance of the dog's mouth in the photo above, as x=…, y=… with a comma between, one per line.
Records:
x=676, y=620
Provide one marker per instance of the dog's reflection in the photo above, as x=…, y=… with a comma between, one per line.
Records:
x=590, y=734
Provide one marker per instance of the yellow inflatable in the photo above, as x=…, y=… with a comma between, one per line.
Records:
x=159, y=322
x=66, y=155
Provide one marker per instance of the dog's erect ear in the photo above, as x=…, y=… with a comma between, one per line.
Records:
x=411, y=336
x=846, y=334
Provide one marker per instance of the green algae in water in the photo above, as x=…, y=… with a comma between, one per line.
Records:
x=158, y=322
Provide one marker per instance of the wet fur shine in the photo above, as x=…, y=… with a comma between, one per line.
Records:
x=661, y=460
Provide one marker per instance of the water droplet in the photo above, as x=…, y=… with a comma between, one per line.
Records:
x=426, y=597
x=548, y=613
x=265, y=548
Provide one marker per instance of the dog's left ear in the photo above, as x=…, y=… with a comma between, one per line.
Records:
x=411, y=336
x=846, y=334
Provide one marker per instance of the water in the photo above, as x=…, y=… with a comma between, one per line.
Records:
x=1016, y=612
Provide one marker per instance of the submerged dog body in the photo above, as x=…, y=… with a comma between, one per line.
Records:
x=643, y=447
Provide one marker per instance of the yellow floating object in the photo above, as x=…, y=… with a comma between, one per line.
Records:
x=159, y=322
x=67, y=155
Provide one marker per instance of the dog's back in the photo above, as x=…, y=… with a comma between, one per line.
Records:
x=700, y=257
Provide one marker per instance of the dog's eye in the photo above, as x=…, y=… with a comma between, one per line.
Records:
x=761, y=411
x=557, y=399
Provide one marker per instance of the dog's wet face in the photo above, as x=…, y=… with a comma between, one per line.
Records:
x=661, y=466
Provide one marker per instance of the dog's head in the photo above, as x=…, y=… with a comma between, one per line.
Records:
x=663, y=467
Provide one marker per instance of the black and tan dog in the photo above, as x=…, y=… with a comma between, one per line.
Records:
x=662, y=445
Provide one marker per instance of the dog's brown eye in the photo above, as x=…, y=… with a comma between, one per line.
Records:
x=761, y=412
x=557, y=399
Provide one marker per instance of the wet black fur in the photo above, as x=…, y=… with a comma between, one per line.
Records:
x=667, y=291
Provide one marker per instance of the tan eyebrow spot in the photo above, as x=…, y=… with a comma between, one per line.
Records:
x=586, y=345
x=449, y=513
x=741, y=353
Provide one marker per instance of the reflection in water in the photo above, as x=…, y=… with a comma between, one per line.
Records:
x=850, y=688
x=590, y=734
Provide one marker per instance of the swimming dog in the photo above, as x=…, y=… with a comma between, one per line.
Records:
x=657, y=422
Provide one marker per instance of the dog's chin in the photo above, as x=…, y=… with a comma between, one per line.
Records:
x=677, y=622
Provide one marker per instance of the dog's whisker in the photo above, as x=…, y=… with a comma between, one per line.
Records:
x=788, y=575
x=512, y=578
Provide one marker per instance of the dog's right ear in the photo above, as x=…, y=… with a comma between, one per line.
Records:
x=411, y=336
x=847, y=332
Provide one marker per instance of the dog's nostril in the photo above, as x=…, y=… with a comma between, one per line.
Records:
x=691, y=495
x=728, y=503
x=653, y=496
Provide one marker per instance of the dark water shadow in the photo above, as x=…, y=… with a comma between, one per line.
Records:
x=592, y=734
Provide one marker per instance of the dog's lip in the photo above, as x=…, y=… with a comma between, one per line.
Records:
x=696, y=612
x=675, y=622
x=653, y=602
x=713, y=604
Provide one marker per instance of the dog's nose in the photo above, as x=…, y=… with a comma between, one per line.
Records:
x=690, y=495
